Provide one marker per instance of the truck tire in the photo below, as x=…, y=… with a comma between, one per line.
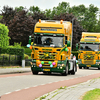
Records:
x=98, y=68
x=34, y=72
x=66, y=71
x=80, y=67
x=74, y=68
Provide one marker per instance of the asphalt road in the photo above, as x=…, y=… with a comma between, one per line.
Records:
x=25, y=81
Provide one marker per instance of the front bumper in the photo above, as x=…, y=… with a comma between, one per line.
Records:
x=84, y=65
x=60, y=68
x=57, y=69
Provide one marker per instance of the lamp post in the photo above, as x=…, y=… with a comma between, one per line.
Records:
x=73, y=27
x=72, y=32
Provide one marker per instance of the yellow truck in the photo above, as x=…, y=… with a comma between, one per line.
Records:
x=89, y=50
x=51, y=48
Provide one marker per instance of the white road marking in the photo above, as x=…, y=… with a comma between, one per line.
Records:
x=18, y=90
x=8, y=93
x=27, y=87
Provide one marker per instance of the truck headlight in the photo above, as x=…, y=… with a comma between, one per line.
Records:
x=34, y=63
x=61, y=65
x=97, y=63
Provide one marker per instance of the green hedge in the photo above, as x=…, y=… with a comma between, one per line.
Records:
x=13, y=51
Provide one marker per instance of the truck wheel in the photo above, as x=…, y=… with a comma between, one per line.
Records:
x=74, y=69
x=80, y=67
x=66, y=71
x=34, y=72
x=87, y=67
x=98, y=68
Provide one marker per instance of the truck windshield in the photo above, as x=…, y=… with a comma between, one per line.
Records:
x=48, y=41
x=90, y=47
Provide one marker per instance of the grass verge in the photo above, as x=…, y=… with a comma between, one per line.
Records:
x=92, y=95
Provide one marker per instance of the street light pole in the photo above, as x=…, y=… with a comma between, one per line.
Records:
x=72, y=32
x=73, y=27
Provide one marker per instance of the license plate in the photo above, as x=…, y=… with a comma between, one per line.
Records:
x=88, y=65
x=46, y=69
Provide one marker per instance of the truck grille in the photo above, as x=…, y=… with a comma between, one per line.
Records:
x=90, y=62
x=46, y=64
x=88, y=56
x=47, y=55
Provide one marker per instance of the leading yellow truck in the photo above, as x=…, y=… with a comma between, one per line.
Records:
x=89, y=50
x=51, y=48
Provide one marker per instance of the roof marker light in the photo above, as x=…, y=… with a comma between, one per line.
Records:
x=61, y=21
x=39, y=20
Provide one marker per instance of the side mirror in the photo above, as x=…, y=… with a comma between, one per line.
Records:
x=76, y=46
x=68, y=43
x=29, y=40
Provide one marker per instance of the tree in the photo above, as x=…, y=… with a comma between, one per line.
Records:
x=20, y=27
x=4, y=38
x=61, y=8
x=34, y=9
x=48, y=12
x=8, y=14
x=89, y=20
x=39, y=15
x=78, y=10
x=19, y=8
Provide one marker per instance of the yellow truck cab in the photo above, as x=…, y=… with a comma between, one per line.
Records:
x=89, y=50
x=51, y=47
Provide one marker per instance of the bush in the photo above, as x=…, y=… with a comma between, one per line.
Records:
x=26, y=56
x=27, y=51
x=13, y=51
x=4, y=38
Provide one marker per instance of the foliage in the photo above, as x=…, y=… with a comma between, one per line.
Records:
x=39, y=15
x=1, y=16
x=19, y=8
x=34, y=9
x=26, y=56
x=60, y=9
x=4, y=38
x=17, y=45
x=20, y=25
x=12, y=51
x=6, y=57
x=8, y=14
x=48, y=14
x=86, y=16
x=97, y=27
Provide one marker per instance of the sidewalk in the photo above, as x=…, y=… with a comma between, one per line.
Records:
x=74, y=92
x=14, y=70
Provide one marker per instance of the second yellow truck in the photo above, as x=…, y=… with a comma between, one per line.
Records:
x=89, y=51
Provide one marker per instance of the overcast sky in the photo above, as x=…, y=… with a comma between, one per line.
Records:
x=46, y=4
